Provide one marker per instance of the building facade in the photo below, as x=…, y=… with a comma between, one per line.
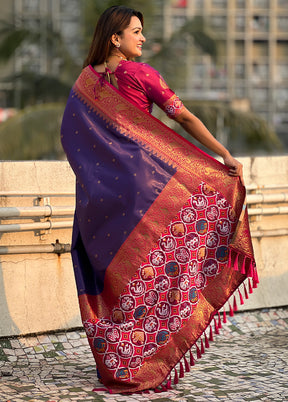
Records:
x=252, y=65
x=45, y=18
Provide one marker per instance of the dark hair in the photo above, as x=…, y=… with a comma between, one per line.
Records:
x=113, y=21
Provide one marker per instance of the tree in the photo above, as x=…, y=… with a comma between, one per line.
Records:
x=33, y=133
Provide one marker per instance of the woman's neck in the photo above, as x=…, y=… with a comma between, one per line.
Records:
x=114, y=59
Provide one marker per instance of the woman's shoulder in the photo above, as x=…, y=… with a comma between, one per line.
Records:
x=137, y=67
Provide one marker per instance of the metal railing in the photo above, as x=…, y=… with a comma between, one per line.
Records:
x=61, y=217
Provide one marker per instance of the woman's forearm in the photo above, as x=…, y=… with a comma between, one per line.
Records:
x=193, y=126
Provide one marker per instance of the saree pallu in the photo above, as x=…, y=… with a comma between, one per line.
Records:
x=160, y=241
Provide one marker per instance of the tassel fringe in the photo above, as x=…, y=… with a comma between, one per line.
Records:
x=206, y=341
x=202, y=347
x=181, y=374
x=192, y=361
x=253, y=280
x=211, y=335
x=224, y=316
x=187, y=367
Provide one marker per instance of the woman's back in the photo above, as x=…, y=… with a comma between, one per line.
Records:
x=142, y=85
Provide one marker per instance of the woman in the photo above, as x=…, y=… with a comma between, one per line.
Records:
x=157, y=243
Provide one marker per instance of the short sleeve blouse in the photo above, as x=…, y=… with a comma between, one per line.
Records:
x=143, y=85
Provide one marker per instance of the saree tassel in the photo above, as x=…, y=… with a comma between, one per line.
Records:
x=164, y=388
x=240, y=297
x=245, y=292
x=219, y=321
x=231, y=312
x=192, y=361
x=224, y=316
x=243, y=270
x=211, y=335
x=202, y=347
x=176, y=380
x=169, y=383
x=206, y=341
x=235, y=307
x=198, y=352
x=255, y=278
x=236, y=263
x=187, y=367
x=216, y=329
x=250, y=271
x=250, y=286
x=181, y=374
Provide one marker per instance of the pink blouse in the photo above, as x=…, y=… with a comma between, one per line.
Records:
x=143, y=85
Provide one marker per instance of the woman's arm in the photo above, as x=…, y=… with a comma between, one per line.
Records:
x=193, y=126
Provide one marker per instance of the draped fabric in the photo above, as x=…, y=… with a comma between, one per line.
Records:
x=161, y=239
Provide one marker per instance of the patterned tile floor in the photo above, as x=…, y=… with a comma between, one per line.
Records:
x=248, y=363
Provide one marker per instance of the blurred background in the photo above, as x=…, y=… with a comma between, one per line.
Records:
x=226, y=59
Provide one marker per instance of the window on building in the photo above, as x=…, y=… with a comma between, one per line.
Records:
x=280, y=119
x=260, y=23
x=240, y=23
x=240, y=91
x=219, y=22
x=260, y=48
x=70, y=6
x=282, y=24
x=260, y=96
x=281, y=98
x=199, y=70
x=31, y=6
x=240, y=3
x=283, y=3
x=240, y=70
x=281, y=72
x=282, y=49
x=239, y=48
x=260, y=72
x=199, y=4
x=219, y=3
x=261, y=3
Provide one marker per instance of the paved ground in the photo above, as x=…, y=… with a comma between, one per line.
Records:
x=246, y=362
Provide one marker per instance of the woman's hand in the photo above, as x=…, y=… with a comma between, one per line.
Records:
x=235, y=167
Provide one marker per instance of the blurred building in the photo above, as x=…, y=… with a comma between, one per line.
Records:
x=252, y=67
x=39, y=16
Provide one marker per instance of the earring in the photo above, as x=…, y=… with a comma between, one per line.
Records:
x=117, y=44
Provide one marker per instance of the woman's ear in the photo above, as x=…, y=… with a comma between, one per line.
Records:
x=114, y=40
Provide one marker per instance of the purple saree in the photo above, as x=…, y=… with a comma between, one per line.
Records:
x=160, y=241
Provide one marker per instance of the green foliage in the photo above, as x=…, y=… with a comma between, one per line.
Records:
x=33, y=133
x=37, y=88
